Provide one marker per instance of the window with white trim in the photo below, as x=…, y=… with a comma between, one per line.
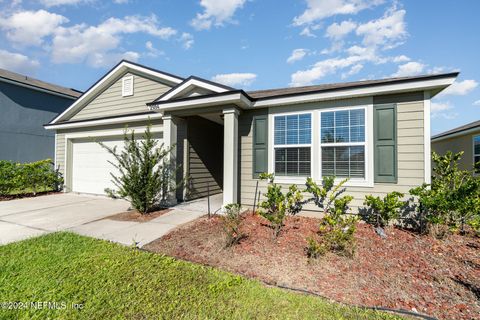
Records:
x=476, y=152
x=127, y=86
x=292, y=145
x=342, y=139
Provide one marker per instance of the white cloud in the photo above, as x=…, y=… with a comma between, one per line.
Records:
x=152, y=51
x=460, y=88
x=297, y=55
x=94, y=44
x=353, y=70
x=400, y=59
x=337, y=31
x=121, y=1
x=411, y=68
x=54, y=3
x=216, y=13
x=476, y=103
x=443, y=110
x=235, y=79
x=320, y=9
x=440, y=106
x=31, y=27
x=187, y=40
x=386, y=32
x=17, y=62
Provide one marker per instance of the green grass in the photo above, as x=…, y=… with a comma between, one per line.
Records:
x=116, y=282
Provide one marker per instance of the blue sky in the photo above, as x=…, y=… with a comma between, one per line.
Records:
x=251, y=44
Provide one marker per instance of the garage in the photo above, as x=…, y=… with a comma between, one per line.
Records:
x=91, y=169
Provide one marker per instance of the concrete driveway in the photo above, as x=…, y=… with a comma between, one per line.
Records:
x=24, y=218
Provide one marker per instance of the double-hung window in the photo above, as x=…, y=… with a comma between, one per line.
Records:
x=292, y=144
x=476, y=152
x=342, y=138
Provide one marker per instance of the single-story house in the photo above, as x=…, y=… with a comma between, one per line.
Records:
x=26, y=104
x=465, y=138
x=375, y=132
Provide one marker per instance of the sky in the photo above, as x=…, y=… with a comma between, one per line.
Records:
x=252, y=44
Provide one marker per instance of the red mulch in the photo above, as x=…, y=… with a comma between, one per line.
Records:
x=405, y=271
x=136, y=216
x=27, y=195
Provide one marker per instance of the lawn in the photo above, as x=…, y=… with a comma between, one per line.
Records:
x=111, y=281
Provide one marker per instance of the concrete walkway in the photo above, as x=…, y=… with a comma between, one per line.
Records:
x=24, y=218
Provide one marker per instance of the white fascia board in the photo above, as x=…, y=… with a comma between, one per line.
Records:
x=357, y=92
x=234, y=98
x=90, y=123
x=192, y=83
x=122, y=67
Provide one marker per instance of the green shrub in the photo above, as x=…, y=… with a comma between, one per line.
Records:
x=453, y=198
x=381, y=211
x=277, y=204
x=337, y=227
x=232, y=220
x=145, y=175
x=8, y=176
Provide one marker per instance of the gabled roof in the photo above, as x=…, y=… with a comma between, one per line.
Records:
x=35, y=84
x=190, y=83
x=121, y=68
x=472, y=126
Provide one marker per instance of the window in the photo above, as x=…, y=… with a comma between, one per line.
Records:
x=127, y=86
x=292, y=144
x=343, y=143
x=476, y=152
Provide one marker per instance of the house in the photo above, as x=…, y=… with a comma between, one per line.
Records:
x=26, y=104
x=375, y=132
x=465, y=138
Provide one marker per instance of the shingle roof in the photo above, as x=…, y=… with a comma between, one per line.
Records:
x=468, y=126
x=12, y=76
x=270, y=93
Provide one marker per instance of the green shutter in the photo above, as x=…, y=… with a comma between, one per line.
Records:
x=385, y=137
x=260, y=143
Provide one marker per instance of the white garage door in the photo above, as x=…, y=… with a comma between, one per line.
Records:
x=90, y=167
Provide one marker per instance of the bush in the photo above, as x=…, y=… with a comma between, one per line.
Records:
x=337, y=227
x=146, y=177
x=30, y=177
x=381, y=212
x=278, y=205
x=232, y=221
x=453, y=198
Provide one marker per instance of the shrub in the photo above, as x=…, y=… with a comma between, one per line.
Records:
x=337, y=227
x=8, y=174
x=453, y=198
x=232, y=221
x=381, y=211
x=145, y=174
x=278, y=205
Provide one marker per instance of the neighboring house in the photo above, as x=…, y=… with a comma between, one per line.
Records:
x=375, y=132
x=26, y=104
x=465, y=138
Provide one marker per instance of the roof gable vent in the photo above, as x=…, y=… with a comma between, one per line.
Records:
x=127, y=86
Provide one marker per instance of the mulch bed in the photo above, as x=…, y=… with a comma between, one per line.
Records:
x=405, y=271
x=27, y=195
x=136, y=216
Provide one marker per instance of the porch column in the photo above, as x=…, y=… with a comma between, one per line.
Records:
x=170, y=141
x=230, y=156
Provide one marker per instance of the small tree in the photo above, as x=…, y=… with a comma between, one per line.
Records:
x=278, y=205
x=232, y=221
x=145, y=174
x=381, y=211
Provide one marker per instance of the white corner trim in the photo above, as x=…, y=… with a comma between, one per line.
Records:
x=192, y=83
x=55, y=153
x=90, y=123
x=426, y=138
x=122, y=67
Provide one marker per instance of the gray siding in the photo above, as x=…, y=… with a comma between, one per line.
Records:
x=24, y=112
x=410, y=115
x=92, y=132
x=111, y=103
x=205, y=157
x=456, y=144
